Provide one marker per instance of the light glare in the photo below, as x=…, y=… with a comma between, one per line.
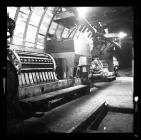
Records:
x=122, y=35
x=136, y=98
x=82, y=11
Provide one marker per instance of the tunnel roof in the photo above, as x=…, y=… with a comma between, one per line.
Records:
x=36, y=25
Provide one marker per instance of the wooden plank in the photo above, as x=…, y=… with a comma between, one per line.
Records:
x=47, y=76
x=37, y=57
x=31, y=78
x=29, y=69
x=27, y=78
x=76, y=118
x=23, y=79
x=44, y=78
x=38, y=78
x=41, y=77
x=54, y=94
x=34, y=77
x=29, y=63
x=55, y=75
x=20, y=79
x=51, y=76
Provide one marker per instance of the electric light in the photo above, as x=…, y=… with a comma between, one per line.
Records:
x=136, y=98
x=106, y=30
x=122, y=35
x=82, y=11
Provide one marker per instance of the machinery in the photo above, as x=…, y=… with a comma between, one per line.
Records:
x=99, y=73
x=30, y=75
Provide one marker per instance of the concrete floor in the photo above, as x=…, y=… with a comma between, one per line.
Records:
x=118, y=93
x=126, y=72
x=115, y=122
x=65, y=118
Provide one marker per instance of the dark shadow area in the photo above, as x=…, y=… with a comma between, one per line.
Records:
x=111, y=119
x=65, y=100
x=120, y=110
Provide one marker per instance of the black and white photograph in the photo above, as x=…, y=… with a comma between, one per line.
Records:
x=70, y=70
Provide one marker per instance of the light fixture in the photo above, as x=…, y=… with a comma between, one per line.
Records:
x=82, y=11
x=122, y=35
x=136, y=98
x=106, y=30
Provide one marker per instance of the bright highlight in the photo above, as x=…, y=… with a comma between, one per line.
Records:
x=122, y=35
x=82, y=11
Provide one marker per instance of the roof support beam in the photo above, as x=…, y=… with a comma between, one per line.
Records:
x=26, y=26
x=62, y=31
x=45, y=41
x=15, y=19
x=63, y=15
x=93, y=29
x=39, y=25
